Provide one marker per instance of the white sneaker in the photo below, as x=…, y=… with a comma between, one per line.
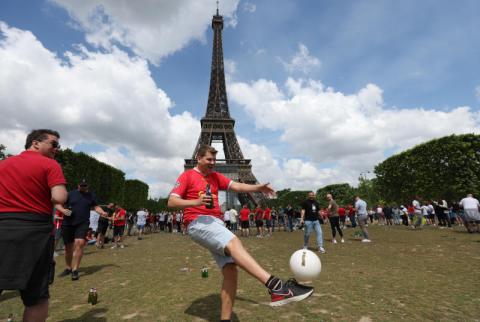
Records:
x=366, y=240
x=55, y=254
x=113, y=247
x=342, y=240
x=321, y=250
x=121, y=246
x=334, y=241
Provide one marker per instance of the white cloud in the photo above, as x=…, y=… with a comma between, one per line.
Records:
x=230, y=67
x=151, y=29
x=249, y=7
x=104, y=98
x=301, y=61
x=347, y=133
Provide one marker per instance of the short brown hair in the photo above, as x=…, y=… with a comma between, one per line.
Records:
x=203, y=149
x=39, y=135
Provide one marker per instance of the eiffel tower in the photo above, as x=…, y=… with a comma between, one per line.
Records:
x=218, y=126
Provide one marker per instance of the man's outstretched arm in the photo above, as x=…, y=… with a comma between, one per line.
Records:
x=243, y=187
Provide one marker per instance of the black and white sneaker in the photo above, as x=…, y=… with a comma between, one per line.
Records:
x=291, y=291
x=74, y=275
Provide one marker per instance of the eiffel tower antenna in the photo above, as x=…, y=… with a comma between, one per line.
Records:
x=218, y=126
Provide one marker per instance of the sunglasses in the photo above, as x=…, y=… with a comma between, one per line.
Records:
x=55, y=144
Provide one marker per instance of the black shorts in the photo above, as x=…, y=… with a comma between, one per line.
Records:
x=102, y=227
x=79, y=231
x=245, y=224
x=259, y=223
x=118, y=230
x=42, y=275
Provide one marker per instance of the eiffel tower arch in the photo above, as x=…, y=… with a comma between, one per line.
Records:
x=218, y=126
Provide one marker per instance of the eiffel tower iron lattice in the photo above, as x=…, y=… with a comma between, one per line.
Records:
x=217, y=125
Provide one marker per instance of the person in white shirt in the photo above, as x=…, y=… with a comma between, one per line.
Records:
x=141, y=222
x=418, y=213
x=226, y=219
x=471, y=215
x=233, y=219
x=94, y=216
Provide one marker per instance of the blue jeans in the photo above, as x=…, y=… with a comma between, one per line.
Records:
x=290, y=223
x=309, y=226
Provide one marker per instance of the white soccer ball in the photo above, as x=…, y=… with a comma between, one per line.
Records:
x=305, y=265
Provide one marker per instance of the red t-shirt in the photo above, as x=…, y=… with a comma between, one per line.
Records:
x=267, y=214
x=25, y=183
x=192, y=184
x=341, y=212
x=244, y=213
x=258, y=214
x=120, y=218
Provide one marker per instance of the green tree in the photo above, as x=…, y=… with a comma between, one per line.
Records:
x=343, y=194
x=136, y=195
x=444, y=168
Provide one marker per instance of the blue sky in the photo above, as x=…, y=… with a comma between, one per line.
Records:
x=320, y=90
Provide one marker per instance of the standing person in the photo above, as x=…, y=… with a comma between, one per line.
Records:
x=178, y=221
x=119, y=221
x=244, y=221
x=141, y=222
x=202, y=215
x=234, y=219
x=290, y=214
x=388, y=215
x=259, y=221
x=57, y=221
x=267, y=214
x=342, y=214
x=418, y=212
x=75, y=227
x=471, y=214
x=103, y=223
x=333, y=218
x=130, y=222
x=31, y=183
x=226, y=219
x=362, y=216
x=351, y=216
x=404, y=214
x=309, y=216
x=94, y=217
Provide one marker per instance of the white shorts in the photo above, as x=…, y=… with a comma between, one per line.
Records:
x=211, y=233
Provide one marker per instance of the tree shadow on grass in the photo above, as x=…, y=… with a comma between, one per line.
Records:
x=95, y=268
x=94, y=315
x=207, y=308
x=6, y=295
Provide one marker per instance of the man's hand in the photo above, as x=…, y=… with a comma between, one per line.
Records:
x=203, y=200
x=267, y=189
x=67, y=212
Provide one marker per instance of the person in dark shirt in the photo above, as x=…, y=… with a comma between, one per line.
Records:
x=75, y=225
x=309, y=216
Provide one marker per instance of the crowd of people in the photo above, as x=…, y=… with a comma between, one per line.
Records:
x=33, y=182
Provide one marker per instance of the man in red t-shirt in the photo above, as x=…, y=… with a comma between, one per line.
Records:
x=267, y=215
x=196, y=191
x=119, y=221
x=259, y=221
x=31, y=183
x=342, y=214
x=244, y=221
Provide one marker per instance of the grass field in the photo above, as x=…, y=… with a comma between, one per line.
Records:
x=427, y=275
